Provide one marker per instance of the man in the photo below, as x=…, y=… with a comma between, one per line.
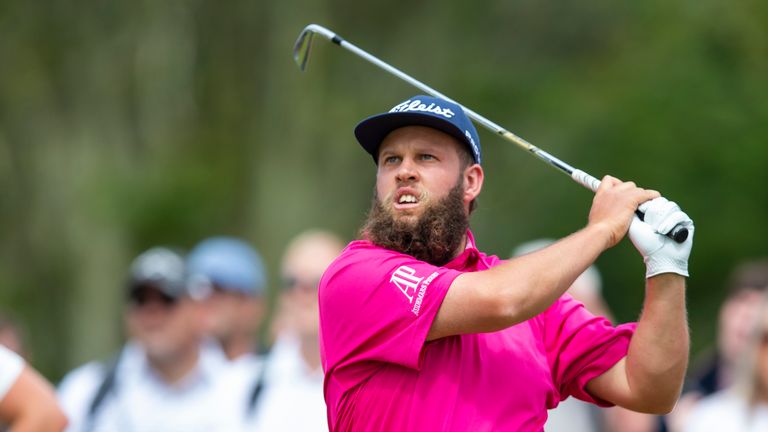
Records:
x=166, y=377
x=234, y=273
x=27, y=400
x=422, y=331
x=293, y=388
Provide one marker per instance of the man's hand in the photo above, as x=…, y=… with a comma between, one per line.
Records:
x=660, y=253
x=614, y=206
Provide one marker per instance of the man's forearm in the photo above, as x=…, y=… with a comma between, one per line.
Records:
x=658, y=353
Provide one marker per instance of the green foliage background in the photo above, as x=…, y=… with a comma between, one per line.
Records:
x=126, y=124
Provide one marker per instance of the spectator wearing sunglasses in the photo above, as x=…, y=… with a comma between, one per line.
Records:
x=730, y=391
x=167, y=377
x=233, y=272
x=293, y=382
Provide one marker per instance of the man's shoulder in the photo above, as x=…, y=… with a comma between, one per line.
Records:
x=365, y=247
x=78, y=388
x=362, y=255
x=83, y=380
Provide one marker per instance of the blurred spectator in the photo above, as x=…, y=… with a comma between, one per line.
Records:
x=742, y=406
x=166, y=378
x=12, y=335
x=738, y=321
x=27, y=400
x=293, y=393
x=574, y=415
x=233, y=272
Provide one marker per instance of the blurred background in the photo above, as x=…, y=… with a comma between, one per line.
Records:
x=127, y=124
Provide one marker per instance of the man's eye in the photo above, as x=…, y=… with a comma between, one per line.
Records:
x=427, y=157
x=391, y=159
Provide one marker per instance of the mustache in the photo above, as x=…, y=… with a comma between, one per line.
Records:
x=434, y=237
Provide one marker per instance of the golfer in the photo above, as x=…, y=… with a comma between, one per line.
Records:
x=420, y=331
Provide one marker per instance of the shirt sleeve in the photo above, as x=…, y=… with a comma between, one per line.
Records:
x=11, y=366
x=377, y=306
x=581, y=346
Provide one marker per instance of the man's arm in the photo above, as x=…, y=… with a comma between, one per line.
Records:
x=30, y=405
x=650, y=377
x=520, y=289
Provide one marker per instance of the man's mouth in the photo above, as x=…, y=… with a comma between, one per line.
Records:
x=406, y=200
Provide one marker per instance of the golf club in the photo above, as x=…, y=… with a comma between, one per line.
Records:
x=301, y=52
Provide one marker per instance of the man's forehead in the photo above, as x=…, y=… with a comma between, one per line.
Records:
x=418, y=136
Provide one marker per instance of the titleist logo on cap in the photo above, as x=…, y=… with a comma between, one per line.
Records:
x=416, y=105
x=475, y=149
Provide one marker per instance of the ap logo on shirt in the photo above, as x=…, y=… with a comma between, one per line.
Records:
x=407, y=282
x=405, y=279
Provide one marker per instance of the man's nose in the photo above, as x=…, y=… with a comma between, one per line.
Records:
x=407, y=171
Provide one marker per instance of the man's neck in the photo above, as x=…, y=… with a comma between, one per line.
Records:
x=310, y=351
x=238, y=346
x=173, y=370
x=462, y=247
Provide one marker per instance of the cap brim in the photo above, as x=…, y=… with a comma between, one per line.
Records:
x=372, y=131
x=164, y=287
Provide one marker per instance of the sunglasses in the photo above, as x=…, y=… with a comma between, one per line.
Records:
x=292, y=282
x=141, y=297
x=764, y=339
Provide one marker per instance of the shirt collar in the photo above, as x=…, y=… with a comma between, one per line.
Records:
x=468, y=258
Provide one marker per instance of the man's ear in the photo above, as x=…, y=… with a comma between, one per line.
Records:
x=473, y=182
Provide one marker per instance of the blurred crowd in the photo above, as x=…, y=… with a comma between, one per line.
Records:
x=200, y=355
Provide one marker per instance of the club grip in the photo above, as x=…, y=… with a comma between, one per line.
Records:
x=679, y=233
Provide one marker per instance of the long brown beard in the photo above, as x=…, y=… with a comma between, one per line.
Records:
x=433, y=238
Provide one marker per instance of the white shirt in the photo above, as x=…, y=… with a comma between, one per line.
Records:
x=573, y=415
x=726, y=411
x=246, y=374
x=140, y=401
x=11, y=366
x=292, y=397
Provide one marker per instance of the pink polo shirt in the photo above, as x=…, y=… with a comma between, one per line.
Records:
x=376, y=308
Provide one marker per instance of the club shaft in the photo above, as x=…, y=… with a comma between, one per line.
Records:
x=678, y=233
x=488, y=124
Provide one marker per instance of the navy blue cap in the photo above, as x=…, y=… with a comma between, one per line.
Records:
x=419, y=110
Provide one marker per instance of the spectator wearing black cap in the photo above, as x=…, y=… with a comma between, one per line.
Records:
x=167, y=377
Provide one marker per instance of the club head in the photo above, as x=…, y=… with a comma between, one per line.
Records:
x=302, y=47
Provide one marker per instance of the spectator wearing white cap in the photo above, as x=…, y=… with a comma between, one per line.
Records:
x=166, y=378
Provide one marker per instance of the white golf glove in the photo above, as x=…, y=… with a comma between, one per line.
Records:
x=660, y=253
